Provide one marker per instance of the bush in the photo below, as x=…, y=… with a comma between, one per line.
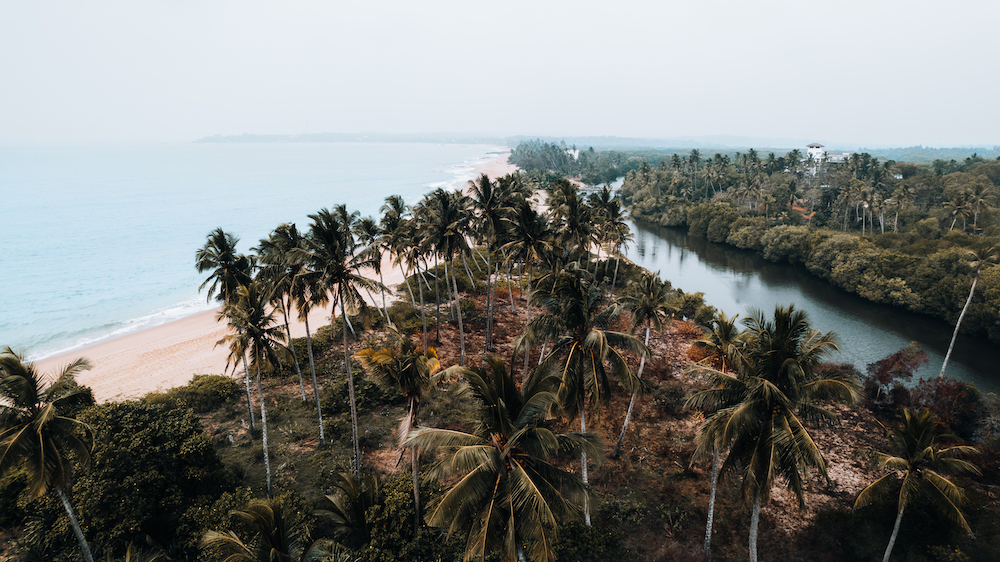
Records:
x=151, y=472
x=580, y=543
x=204, y=393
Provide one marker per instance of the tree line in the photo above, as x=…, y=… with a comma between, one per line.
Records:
x=890, y=232
x=501, y=483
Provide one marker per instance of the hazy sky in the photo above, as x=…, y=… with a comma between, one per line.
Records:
x=857, y=72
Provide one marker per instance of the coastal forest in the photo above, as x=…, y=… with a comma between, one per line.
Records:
x=527, y=393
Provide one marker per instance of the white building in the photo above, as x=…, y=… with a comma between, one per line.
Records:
x=815, y=152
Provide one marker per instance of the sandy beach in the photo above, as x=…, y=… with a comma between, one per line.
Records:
x=170, y=355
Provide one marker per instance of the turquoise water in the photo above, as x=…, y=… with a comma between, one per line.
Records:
x=98, y=241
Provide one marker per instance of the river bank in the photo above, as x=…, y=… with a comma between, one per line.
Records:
x=735, y=281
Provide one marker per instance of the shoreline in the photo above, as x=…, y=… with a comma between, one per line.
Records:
x=171, y=354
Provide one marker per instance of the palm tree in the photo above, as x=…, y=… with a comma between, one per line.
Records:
x=449, y=223
x=649, y=302
x=978, y=260
x=576, y=322
x=408, y=372
x=37, y=433
x=253, y=330
x=395, y=237
x=508, y=497
x=277, y=540
x=618, y=236
x=575, y=228
x=307, y=293
x=923, y=463
x=348, y=509
x=229, y=270
x=724, y=342
x=330, y=254
x=370, y=235
x=409, y=250
x=488, y=200
x=774, y=394
x=980, y=197
x=281, y=265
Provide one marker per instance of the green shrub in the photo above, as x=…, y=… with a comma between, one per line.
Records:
x=204, y=393
x=580, y=543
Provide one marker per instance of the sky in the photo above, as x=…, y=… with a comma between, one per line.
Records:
x=858, y=73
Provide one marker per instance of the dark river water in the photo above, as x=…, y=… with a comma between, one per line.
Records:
x=735, y=281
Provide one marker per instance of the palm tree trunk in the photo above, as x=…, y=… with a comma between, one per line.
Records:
x=263, y=427
x=458, y=307
x=892, y=538
x=380, y=311
x=75, y=524
x=295, y=359
x=510, y=290
x=489, y=302
x=614, y=279
x=447, y=291
x=628, y=413
x=354, y=406
x=415, y=468
x=711, y=501
x=423, y=311
x=406, y=278
x=959, y=323
x=246, y=376
x=583, y=460
x=312, y=371
x=437, y=301
x=754, y=523
x=381, y=280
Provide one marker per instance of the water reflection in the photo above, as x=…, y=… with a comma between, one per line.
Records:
x=736, y=280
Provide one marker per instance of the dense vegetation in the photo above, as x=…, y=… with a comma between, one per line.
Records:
x=891, y=232
x=509, y=387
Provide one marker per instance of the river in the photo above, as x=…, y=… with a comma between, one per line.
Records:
x=736, y=281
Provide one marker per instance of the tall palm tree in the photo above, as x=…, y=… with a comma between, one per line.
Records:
x=649, y=301
x=307, y=292
x=229, y=269
x=37, y=433
x=280, y=266
x=253, y=330
x=777, y=388
x=923, y=463
x=980, y=199
x=584, y=350
x=490, y=204
x=330, y=254
x=370, y=235
x=408, y=372
x=277, y=539
x=508, y=497
x=449, y=224
x=618, y=235
x=394, y=236
x=723, y=342
x=977, y=261
x=409, y=250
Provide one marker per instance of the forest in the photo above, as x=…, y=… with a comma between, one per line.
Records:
x=526, y=394
x=913, y=236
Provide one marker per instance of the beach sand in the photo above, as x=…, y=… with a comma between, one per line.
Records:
x=169, y=355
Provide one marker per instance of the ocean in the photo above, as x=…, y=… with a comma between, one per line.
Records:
x=98, y=241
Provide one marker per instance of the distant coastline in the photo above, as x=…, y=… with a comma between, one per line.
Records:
x=444, y=138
